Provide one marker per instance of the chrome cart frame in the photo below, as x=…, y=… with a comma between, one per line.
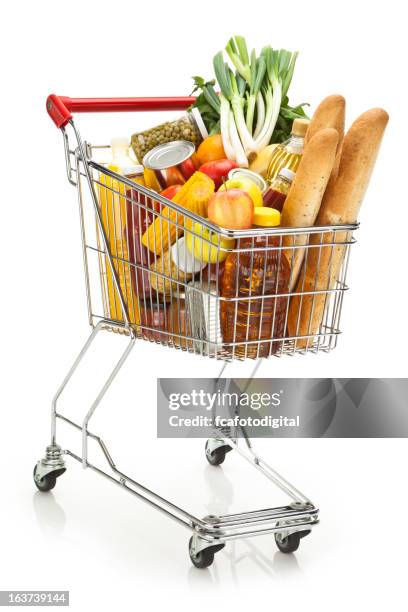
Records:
x=289, y=523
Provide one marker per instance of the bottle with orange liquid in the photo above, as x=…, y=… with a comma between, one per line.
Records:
x=257, y=273
x=288, y=154
x=113, y=206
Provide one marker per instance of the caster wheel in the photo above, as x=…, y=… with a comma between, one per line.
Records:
x=291, y=542
x=49, y=481
x=205, y=557
x=218, y=455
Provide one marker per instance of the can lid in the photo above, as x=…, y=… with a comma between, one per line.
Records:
x=253, y=176
x=199, y=122
x=183, y=259
x=299, y=127
x=168, y=154
x=266, y=217
x=287, y=174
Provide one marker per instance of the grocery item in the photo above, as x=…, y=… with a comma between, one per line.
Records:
x=305, y=196
x=166, y=161
x=259, y=272
x=199, y=241
x=232, y=209
x=194, y=196
x=113, y=207
x=153, y=315
x=166, y=278
x=261, y=162
x=183, y=259
x=178, y=323
x=151, y=181
x=257, y=86
x=189, y=126
x=341, y=204
x=275, y=195
x=329, y=114
x=244, y=184
x=171, y=191
x=210, y=149
x=213, y=273
x=289, y=153
x=204, y=312
x=138, y=219
x=218, y=170
x=249, y=174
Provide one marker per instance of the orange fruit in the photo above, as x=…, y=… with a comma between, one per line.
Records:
x=211, y=149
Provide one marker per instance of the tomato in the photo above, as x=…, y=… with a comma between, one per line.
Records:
x=218, y=170
x=171, y=191
x=211, y=149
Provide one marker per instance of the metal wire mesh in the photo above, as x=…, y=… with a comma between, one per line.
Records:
x=196, y=287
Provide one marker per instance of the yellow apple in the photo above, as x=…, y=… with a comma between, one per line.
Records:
x=201, y=248
x=245, y=184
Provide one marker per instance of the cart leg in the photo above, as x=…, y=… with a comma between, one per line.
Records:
x=99, y=397
x=48, y=469
x=68, y=377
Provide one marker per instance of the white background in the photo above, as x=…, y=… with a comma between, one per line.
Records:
x=88, y=536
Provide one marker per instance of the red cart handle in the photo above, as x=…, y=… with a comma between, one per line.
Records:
x=60, y=108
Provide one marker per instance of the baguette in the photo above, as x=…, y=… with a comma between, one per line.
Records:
x=303, y=201
x=341, y=204
x=329, y=114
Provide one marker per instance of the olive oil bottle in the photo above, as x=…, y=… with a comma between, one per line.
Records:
x=289, y=153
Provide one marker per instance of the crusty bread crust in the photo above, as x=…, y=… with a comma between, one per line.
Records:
x=305, y=196
x=331, y=112
x=341, y=204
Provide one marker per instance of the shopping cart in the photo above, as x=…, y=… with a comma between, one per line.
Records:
x=146, y=294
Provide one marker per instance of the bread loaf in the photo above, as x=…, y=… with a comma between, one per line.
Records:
x=303, y=201
x=331, y=112
x=341, y=204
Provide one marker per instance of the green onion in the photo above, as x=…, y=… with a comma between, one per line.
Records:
x=253, y=108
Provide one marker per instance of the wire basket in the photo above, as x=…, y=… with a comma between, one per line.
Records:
x=285, y=286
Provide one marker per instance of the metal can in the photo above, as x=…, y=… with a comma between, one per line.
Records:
x=189, y=126
x=168, y=161
x=249, y=174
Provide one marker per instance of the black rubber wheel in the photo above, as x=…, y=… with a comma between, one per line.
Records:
x=218, y=455
x=205, y=557
x=291, y=542
x=49, y=481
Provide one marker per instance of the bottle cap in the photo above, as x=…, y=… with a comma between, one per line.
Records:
x=299, y=127
x=287, y=174
x=266, y=217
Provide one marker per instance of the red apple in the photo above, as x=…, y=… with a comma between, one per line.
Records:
x=232, y=209
x=218, y=170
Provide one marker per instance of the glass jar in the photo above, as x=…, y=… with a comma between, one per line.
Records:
x=189, y=126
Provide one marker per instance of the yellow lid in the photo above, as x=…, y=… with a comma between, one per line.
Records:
x=266, y=217
x=299, y=127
